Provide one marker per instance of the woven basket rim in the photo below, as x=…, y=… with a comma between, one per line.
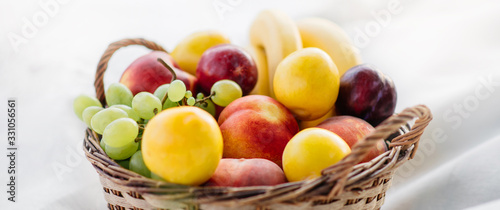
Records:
x=346, y=175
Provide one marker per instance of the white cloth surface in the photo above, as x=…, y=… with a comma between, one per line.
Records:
x=444, y=54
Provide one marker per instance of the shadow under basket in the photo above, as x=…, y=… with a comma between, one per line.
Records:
x=344, y=185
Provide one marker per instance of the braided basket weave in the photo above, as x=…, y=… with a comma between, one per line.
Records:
x=345, y=185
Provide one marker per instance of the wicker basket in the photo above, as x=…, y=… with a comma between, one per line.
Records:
x=345, y=185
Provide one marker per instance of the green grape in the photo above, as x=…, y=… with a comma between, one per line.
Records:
x=156, y=177
x=130, y=112
x=188, y=94
x=208, y=106
x=102, y=118
x=103, y=145
x=89, y=112
x=118, y=93
x=121, y=153
x=169, y=104
x=191, y=101
x=82, y=102
x=137, y=164
x=200, y=95
x=161, y=91
x=124, y=163
x=120, y=132
x=226, y=91
x=146, y=105
x=177, y=90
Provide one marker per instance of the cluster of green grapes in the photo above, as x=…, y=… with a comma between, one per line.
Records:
x=122, y=123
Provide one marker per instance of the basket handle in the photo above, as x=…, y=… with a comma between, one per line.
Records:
x=112, y=48
x=339, y=172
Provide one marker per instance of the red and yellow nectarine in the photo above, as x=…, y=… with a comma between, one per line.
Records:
x=147, y=74
x=353, y=129
x=256, y=126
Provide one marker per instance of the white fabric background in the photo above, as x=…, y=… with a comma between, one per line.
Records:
x=444, y=54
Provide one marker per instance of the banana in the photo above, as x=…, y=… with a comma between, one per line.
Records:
x=328, y=36
x=278, y=35
x=259, y=56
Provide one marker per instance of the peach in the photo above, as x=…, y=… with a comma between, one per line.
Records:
x=353, y=129
x=246, y=172
x=147, y=74
x=256, y=126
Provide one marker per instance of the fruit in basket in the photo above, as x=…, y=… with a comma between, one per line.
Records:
x=226, y=61
x=156, y=177
x=120, y=132
x=188, y=52
x=367, y=93
x=137, y=164
x=246, y=172
x=161, y=92
x=118, y=93
x=103, y=145
x=328, y=36
x=259, y=56
x=256, y=126
x=207, y=105
x=104, y=117
x=225, y=91
x=307, y=83
x=182, y=145
x=81, y=102
x=123, y=163
x=121, y=153
x=351, y=130
x=146, y=105
x=190, y=101
x=312, y=123
x=176, y=91
x=188, y=94
x=147, y=74
x=130, y=112
x=277, y=34
x=311, y=151
x=89, y=112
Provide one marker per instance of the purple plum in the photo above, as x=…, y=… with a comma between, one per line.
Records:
x=367, y=93
x=226, y=61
